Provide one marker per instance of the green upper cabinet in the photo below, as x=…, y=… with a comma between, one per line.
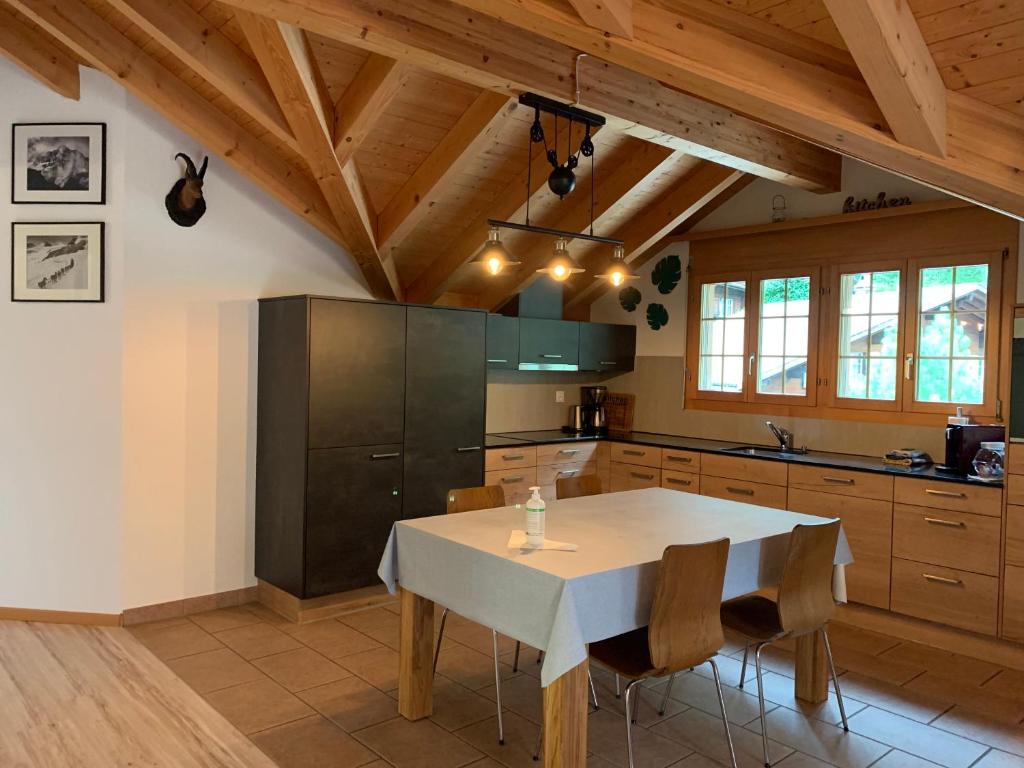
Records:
x=607, y=347
x=502, y=342
x=548, y=345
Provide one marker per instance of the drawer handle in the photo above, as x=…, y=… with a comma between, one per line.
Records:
x=676, y=481
x=740, y=491
x=496, y=360
x=608, y=362
x=641, y=476
x=947, y=523
x=839, y=480
x=680, y=459
x=512, y=457
x=375, y=456
x=942, y=579
x=946, y=494
x=570, y=451
x=468, y=449
x=511, y=480
x=634, y=453
x=552, y=357
x=569, y=472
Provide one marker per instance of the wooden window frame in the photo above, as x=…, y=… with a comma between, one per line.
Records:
x=696, y=289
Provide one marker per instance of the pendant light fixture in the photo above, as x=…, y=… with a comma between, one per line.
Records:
x=618, y=270
x=561, y=267
x=494, y=258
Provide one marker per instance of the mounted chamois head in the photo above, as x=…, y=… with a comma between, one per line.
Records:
x=185, y=203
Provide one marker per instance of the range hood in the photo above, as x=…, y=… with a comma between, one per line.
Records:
x=541, y=300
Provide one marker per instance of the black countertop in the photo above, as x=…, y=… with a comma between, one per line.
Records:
x=702, y=445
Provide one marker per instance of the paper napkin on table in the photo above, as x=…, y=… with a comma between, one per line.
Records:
x=517, y=540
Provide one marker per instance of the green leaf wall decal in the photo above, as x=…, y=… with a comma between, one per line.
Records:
x=667, y=273
x=657, y=316
x=629, y=298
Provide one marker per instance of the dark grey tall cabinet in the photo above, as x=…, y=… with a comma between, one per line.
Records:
x=367, y=413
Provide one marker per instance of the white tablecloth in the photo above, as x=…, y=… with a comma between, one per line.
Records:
x=560, y=601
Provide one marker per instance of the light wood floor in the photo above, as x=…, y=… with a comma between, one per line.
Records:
x=83, y=696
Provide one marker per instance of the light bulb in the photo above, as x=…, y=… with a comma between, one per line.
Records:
x=495, y=265
x=494, y=258
x=559, y=272
x=617, y=278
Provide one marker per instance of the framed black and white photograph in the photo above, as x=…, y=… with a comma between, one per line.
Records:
x=59, y=163
x=57, y=261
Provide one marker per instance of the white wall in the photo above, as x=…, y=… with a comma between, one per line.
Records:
x=144, y=405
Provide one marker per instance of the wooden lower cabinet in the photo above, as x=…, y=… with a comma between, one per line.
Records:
x=680, y=481
x=642, y=455
x=1014, y=534
x=633, y=477
x=944, y=537
x=761, y=494
x=548, y=475
x=1013, y=603
x=945, y=595
x=743, y=468
x=867, y=523
x=515, y=482
x=959, y=497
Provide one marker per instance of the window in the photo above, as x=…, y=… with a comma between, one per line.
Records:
x=783, y=322
x=869, y=334
x=723, y=311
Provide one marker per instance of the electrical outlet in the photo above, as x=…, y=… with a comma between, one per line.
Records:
x=559, y=395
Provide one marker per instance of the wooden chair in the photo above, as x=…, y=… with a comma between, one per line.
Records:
x=685, y=628
x=577, y=485
x=804, y=605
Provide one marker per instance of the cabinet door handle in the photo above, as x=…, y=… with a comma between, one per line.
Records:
x=641, y=476
x=942, y=579
x=840, y=480
x=569, y=472
x=512, y=457
x=947, y=523
x=608, y=362
x=680, y=459
x=634, y=453
x=946, y=494
x=552, y=357
x=511, y=480
x=569, y=451
x=496, y=360
x=740, y=491
x=677, y=481
x=385, y=455
x=468, y=449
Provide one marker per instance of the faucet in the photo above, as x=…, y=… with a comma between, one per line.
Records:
x=783, y=435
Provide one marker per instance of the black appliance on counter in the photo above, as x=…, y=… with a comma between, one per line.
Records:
x=595, y=421
x=367, y=413
x=963, y=441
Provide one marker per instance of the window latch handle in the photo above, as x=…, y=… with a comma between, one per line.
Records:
x=750, y=366
x=908, y=366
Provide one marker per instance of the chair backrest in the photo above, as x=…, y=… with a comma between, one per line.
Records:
x=686, y=625
x=805, y=593
x=480, y=497
x=577, y=485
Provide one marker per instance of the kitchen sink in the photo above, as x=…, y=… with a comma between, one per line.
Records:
x=756, y=450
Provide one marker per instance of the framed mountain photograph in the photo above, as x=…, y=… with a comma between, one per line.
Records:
x=57, y=261
x=59, y=163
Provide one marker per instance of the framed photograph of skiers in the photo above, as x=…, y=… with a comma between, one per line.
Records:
x=59, y=163
x=57, y=261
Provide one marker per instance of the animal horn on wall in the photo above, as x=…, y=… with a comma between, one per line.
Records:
x=185, y=203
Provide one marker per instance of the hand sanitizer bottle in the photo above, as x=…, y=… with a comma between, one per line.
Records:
x=535, y=518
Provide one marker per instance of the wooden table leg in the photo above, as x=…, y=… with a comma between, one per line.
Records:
x=565, y=720
x=416, y=657
x=811, y=669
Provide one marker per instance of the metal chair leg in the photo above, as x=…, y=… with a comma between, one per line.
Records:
x=725, y=717
x=664, y=696
x=497, y=689
x=618, y=690
x=760, y=702
x=743, y=669
x=440, y=636
x=593, y=691
x=515, y=659
x=540, y=742
x=835, y=679
x=540, y=656
x=636, y=702
x=632, y=689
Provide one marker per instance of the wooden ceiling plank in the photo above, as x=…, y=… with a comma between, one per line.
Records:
x=283, y=52
x=494, y=54
x=203, y=48
x=887, y=45
x=367, y=97
x=39, y=55
x=612, y=16
x=101, y=46
x=476, y=129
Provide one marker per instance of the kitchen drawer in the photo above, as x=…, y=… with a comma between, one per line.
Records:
x=1013, y=603
x=1015, y=458
x=864, y=485
x=945, y=595
x=515, y=482
x=960, y=497
x=680, y=481
x=630, y=477
x=561, y=453
x=547, y=474
x=743, y=490
x=641, y=455
x=1014, y=534
x=509, y=458
x=867, y=524
x=954, y=539
x=742, y=468
x=1015, y=489
x=680, y=461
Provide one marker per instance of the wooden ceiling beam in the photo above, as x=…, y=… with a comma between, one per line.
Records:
x=894, y=59
x=367, y=97
x=284, y=54
x=206, y=50
x=440, y=36
x=38, y=54
x=102, y=46
x=472, y=132
x=612, y=16
x=645, y=231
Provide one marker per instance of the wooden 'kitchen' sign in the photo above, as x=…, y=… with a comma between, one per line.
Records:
x=850, y=205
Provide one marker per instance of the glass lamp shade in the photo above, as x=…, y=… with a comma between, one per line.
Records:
x=494, y=258
x=561, y=266
x=618, y=270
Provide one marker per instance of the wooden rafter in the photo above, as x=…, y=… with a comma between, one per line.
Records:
x=283, y=52
x=367, y=97
x=612, y=16
x=471, y=133
x=642, y=233
x=886, y=42
x=207, y=51
x=439, y=36
x=38, y=54
x=102, y=46
x=640, y=161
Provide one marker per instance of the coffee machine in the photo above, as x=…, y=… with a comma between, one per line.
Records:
x=963, y=441
x=592, y=399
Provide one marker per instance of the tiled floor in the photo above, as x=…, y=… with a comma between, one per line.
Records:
x=323, y=696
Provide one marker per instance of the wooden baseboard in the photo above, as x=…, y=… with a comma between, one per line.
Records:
x=1003, y=652
x=61, y=617
x=312, y=609
x=188, y=606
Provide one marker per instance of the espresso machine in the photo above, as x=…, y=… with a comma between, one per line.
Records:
x=595, y=422
x=962, y=444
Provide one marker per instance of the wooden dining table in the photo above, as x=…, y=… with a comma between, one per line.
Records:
x=559, y=601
